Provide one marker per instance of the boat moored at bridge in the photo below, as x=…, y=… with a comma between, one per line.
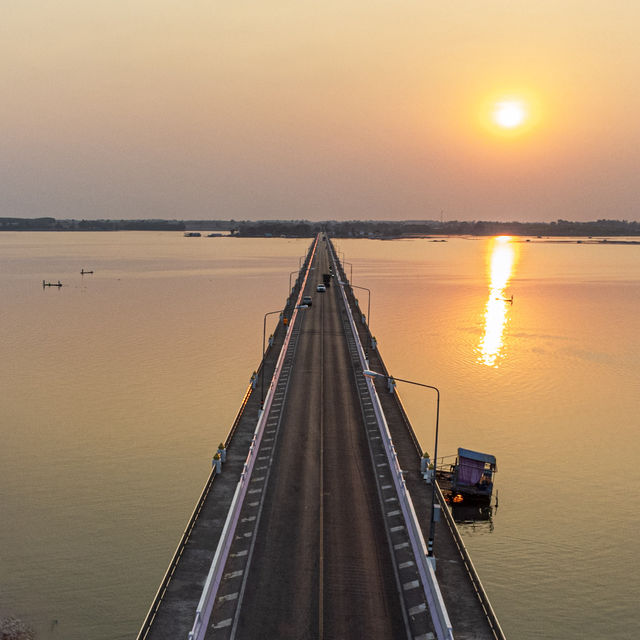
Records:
x=470, y=478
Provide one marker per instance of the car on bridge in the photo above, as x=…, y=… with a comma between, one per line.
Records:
x=321, y=288
x=307, y=300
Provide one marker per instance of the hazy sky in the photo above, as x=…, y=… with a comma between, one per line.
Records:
x=319, y=110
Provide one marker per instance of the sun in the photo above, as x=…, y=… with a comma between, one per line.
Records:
x=513, y=114
x=509, y=114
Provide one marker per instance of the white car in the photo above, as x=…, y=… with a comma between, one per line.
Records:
x=321, y=288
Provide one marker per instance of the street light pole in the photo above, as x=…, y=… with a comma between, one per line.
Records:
x=298, y=271
x=264, y=334
x=353, y=286
x=350, y=271
x=432, y=527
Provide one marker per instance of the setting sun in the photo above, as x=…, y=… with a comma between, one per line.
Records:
x=512, y=113
x=509, y=114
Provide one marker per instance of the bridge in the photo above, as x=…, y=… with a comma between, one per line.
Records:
x=312, y=524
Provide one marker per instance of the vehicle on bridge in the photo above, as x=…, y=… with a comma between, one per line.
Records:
x=470, y=478
x=321, y=288
x=307, y=300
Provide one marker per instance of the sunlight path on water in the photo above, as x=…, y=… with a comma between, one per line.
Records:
x=502, y=261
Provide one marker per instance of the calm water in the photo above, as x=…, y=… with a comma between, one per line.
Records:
x=116, y=389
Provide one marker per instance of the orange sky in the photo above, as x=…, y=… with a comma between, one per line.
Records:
x=312, y=110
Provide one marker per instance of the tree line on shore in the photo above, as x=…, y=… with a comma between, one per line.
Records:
x=412, y=228
x=51, y=224
x=338, y=229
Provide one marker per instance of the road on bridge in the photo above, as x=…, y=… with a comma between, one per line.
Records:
x=317, y=563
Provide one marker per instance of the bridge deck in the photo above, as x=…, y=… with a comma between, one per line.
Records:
x=316, y=553
x=311, y=558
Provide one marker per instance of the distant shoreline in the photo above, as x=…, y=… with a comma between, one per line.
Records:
x=598, y=231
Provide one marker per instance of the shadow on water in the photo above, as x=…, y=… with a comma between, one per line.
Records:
x=474, y=517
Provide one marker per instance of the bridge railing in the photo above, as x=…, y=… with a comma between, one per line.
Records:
x=426, y=568
x=214, y=577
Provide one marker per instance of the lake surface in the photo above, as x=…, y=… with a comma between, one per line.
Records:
x=117, y=388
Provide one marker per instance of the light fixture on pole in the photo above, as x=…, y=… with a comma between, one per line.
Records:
x=298, y=271
x=350, y=271
x=374, y=374
x=353, y=286
x=264, y=334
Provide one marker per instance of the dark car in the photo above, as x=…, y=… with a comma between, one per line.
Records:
x=307, y=300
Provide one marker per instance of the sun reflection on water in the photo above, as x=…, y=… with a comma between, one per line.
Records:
x=502, y=259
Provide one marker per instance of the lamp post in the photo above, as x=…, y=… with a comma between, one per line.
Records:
x=374, y=374
x=350, y=270
x=264, y=334
x=298, y=271
x=353, y=286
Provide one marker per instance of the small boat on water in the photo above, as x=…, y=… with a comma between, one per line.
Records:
x=469, y=479
x=51, y=284
x=192, y=234
x=84, y=273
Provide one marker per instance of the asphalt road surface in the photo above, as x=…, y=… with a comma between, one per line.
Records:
x=320, y=565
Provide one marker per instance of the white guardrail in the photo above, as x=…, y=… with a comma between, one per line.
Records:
x=426, y=568
x=214, y=577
